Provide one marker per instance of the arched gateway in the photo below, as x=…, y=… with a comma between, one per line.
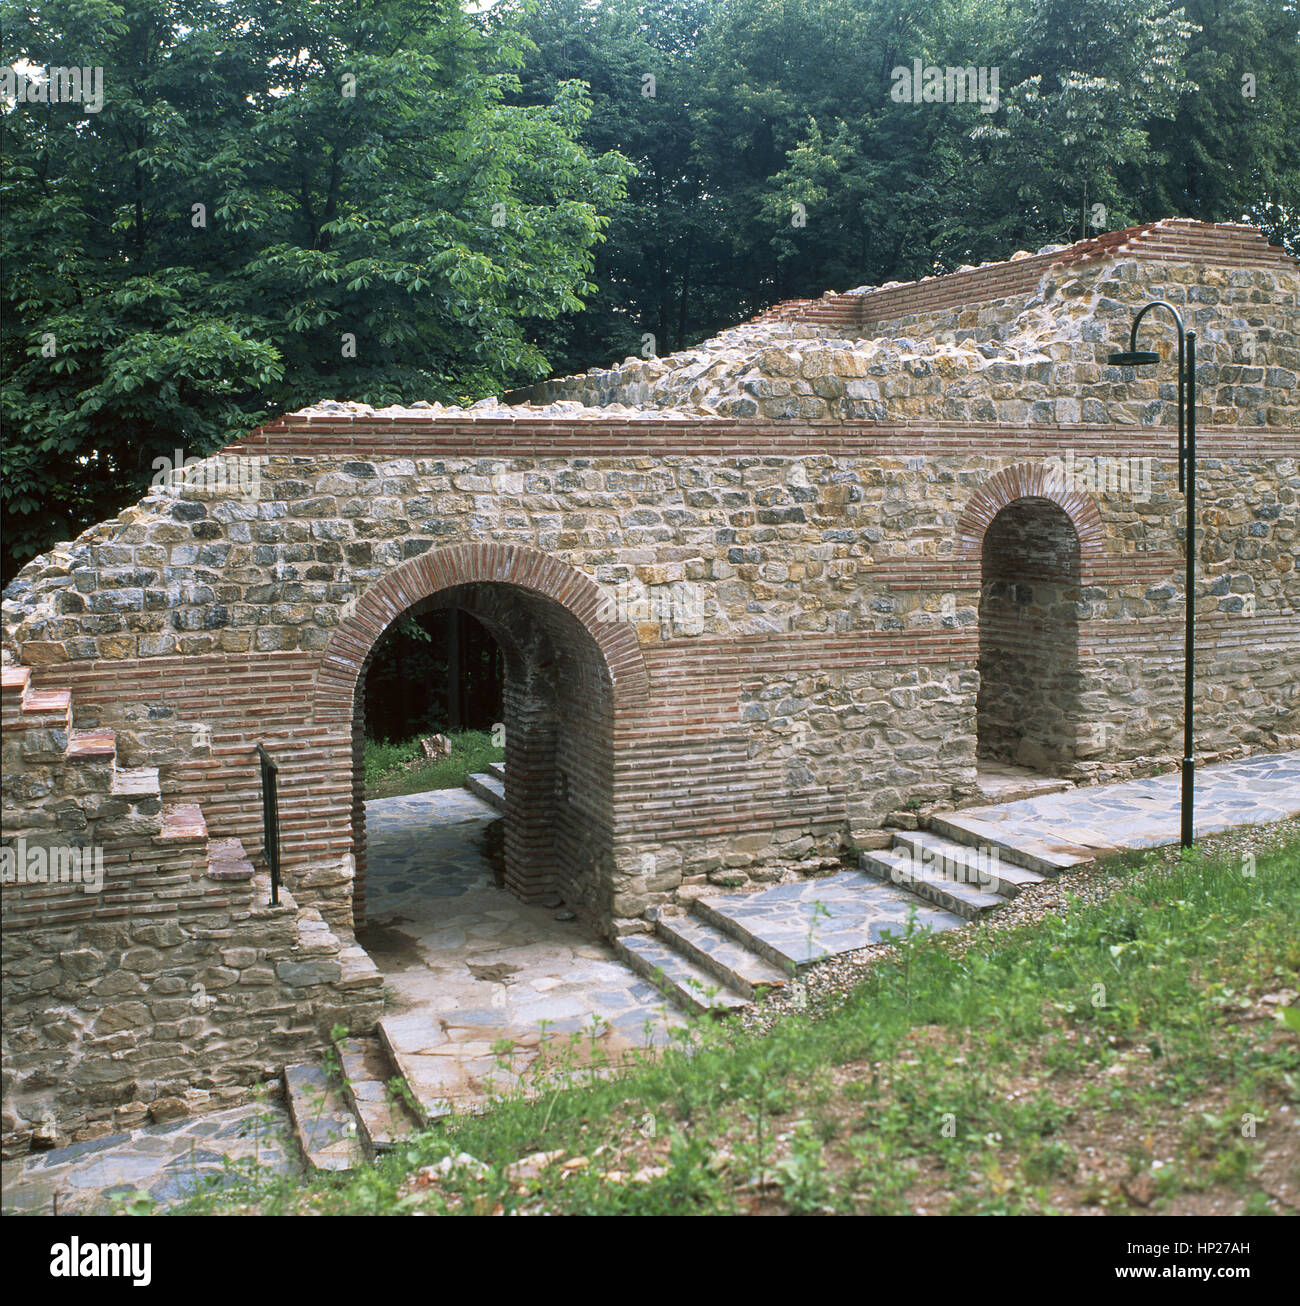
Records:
x=569, y=673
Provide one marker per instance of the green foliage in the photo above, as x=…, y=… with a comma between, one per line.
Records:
x=377, y=223
x=1225, y=155
x=412, y=687
x=387, y=772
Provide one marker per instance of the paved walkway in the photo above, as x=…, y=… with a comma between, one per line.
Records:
x=1080, y=825
x=796, y=924
x=168, y=1162
x=480, y=977
x=448, y=939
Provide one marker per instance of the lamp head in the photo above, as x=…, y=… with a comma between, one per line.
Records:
x=1138, y=358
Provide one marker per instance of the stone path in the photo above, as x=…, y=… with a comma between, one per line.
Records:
x=1079, y=825
x=480, y=978
x=796, y=924
x=169, y=1162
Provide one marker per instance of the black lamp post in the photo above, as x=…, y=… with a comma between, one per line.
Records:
x=1187, y=483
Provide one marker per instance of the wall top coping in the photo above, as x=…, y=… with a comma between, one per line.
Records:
x=316, y=434
x=1170, y=239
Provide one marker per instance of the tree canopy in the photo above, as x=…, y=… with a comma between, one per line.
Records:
x=275, y=204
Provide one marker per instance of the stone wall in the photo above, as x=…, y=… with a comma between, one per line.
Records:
x=156, y=976
x=826, y=674
x=731, y=642
x=149, y=1016
x=1018, y=342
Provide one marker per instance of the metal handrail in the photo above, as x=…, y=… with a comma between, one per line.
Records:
x=271, y=819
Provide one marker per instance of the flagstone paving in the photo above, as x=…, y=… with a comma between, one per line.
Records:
x=169, y=1162
x=795, y=925
x=1079, y=825
x=490, y=991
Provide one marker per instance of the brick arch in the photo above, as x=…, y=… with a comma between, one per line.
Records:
x=1031, y=481
x=464, y=564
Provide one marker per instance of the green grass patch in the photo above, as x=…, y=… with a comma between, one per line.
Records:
x=389, y=773
x=978, y=1080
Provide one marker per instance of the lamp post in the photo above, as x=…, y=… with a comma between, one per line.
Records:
x=1187, y=483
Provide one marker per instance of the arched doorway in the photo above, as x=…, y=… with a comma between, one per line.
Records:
x=557, y=731
x=1028, y=705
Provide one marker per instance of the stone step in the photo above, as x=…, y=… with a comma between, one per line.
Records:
x=1019, y=849
x=428, y=1099
x=368, y=1075
x=1000, y=782
x=722, y=956
x=92, y=746
x=182, y=823
x=487, y=787
x=358, y=969
x=497, y=770
x=796, y=925
x=14, y=680
x=53, y=703
x=326, y=1130
x=142, y=782
x=898, y=867
x=983, y=869
x=691, y=986
x=227, y=860
x=716, y=914
x=465, y=1072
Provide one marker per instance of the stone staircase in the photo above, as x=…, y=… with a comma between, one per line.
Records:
x=700, y=964
x=489, y=785
x=969, y=880
x=64, y=785
x=349, y=1113
x=174, y=963
x=716, y=958
x=725, y=952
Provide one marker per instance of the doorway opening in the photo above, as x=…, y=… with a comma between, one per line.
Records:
x=1027, y=711
x=527, y=661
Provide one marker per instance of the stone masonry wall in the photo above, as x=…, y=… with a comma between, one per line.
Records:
x=1018, y=342
x=829, y=673
x=741, y=626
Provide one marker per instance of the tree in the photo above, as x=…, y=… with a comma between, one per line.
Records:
x=657, y=272
x=1232, y=149
x=1092, y=81
x=275, y=204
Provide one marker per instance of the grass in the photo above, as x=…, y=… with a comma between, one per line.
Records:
x=1123, y=1054
x=388, y=775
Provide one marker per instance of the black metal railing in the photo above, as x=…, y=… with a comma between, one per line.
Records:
x=271, y=819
